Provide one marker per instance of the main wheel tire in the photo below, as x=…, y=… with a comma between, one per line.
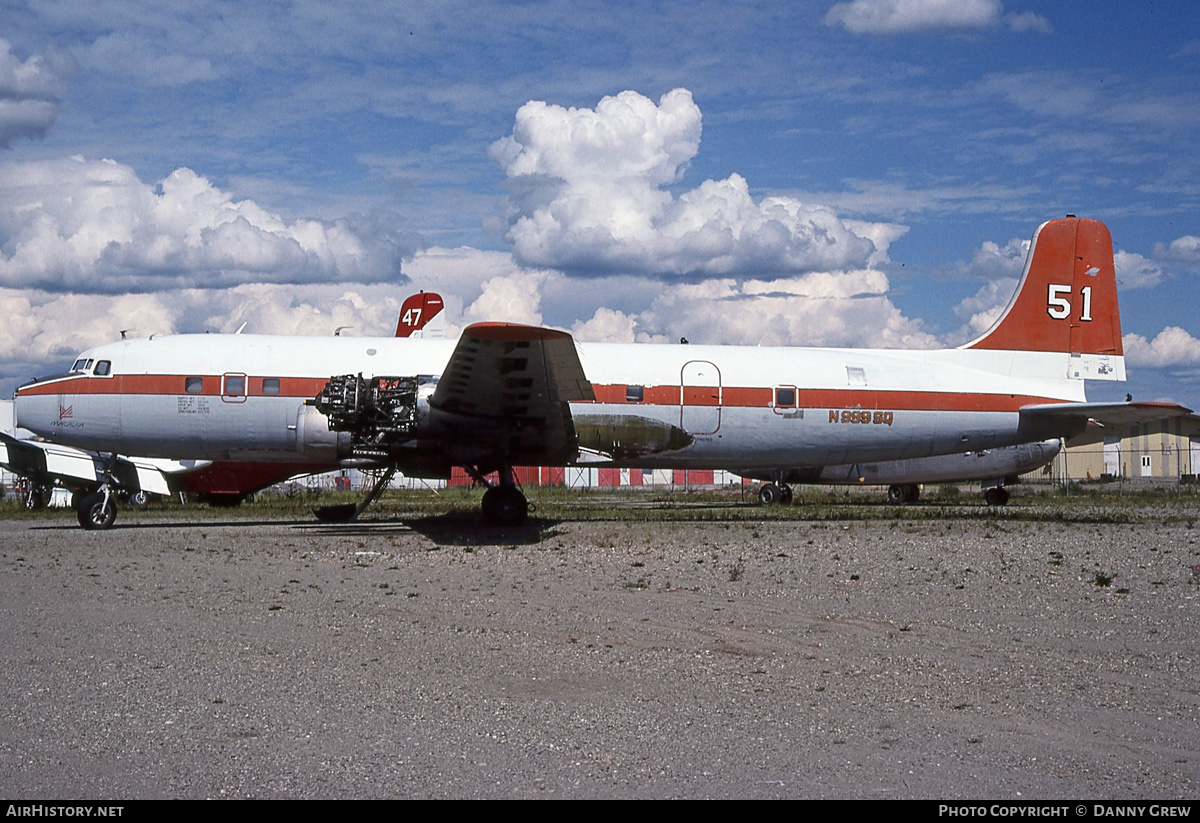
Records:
x=785, y=494
x=38, y=497
x=895, y=493
x=996, y=496
x=94, y=512
x=769, y=494
x=504, y=506
x=912, y=493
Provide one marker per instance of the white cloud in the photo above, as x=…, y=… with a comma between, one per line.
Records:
x=590, y=199
x=513, y=298
x=819, y=309
x=1136, y=272
x=93, y=226
x=908, y=16
x=1184, y=249
x=1172, y=347
x=29, y=95
x=991, y=260
x=982, y=310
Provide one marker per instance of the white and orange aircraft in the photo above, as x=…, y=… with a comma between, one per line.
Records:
x=506, y=395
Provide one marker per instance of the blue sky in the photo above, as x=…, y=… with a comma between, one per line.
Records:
x=624, y=171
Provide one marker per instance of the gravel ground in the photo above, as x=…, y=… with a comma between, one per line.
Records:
x=965, y=658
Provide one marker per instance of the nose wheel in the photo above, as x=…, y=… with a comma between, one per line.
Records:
x=96, y=510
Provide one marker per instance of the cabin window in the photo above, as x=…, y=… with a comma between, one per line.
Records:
x=235, y=385
x=194, y=385
x=270, y=385
x=785, y=397
x=635, y=394
x=103, y=368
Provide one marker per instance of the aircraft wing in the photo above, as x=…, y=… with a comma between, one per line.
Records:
x=1074, y=418
x=47, y=463
x=504, y=395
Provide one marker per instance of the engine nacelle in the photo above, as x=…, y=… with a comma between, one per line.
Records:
x=378, y=414
x=315, y=439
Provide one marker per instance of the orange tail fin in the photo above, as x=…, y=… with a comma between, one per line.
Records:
x=416, y=313
x=1067, y=298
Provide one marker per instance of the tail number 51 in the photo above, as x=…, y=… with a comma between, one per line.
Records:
x=1058, y=305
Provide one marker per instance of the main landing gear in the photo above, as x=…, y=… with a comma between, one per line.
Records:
x=996, y=496
x=770, y=494
x=503, y=503
x=903, y=493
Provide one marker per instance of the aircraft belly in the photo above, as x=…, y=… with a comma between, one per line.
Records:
x=756, y=437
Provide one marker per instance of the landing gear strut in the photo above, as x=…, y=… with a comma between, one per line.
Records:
x=38, y=497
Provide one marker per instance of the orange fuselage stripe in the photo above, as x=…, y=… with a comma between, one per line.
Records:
x=726, y=396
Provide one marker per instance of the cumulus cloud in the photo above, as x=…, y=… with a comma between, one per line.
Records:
x=991, y=260
x=42, y=332
x=1184, y=249
x=29, y=95
x=93, y=226
x=908, y=16
x=983, y=308
x=1172, y=346
x=819, y=309
x=1136, y=272
x=590, y=197
x=512, y=298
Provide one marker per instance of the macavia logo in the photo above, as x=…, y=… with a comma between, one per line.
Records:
x=64, y=413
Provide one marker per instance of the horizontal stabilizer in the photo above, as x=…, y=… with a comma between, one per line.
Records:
x=1104, y=414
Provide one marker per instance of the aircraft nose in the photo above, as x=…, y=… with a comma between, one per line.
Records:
x=33, y=409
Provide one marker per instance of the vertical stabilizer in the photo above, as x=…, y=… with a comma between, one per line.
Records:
x=417, y=316
x=1066, y=301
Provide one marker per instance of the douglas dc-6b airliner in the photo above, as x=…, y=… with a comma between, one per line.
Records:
x=506, y=395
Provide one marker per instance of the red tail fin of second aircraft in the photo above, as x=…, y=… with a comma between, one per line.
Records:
x=1067, y=298
x=416, y=312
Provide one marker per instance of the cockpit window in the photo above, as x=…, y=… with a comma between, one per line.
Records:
x=103, y=368
x=80, y=364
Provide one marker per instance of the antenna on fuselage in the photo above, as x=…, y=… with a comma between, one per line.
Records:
x=125, y=331
x=338, y=331
x=239, y=328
